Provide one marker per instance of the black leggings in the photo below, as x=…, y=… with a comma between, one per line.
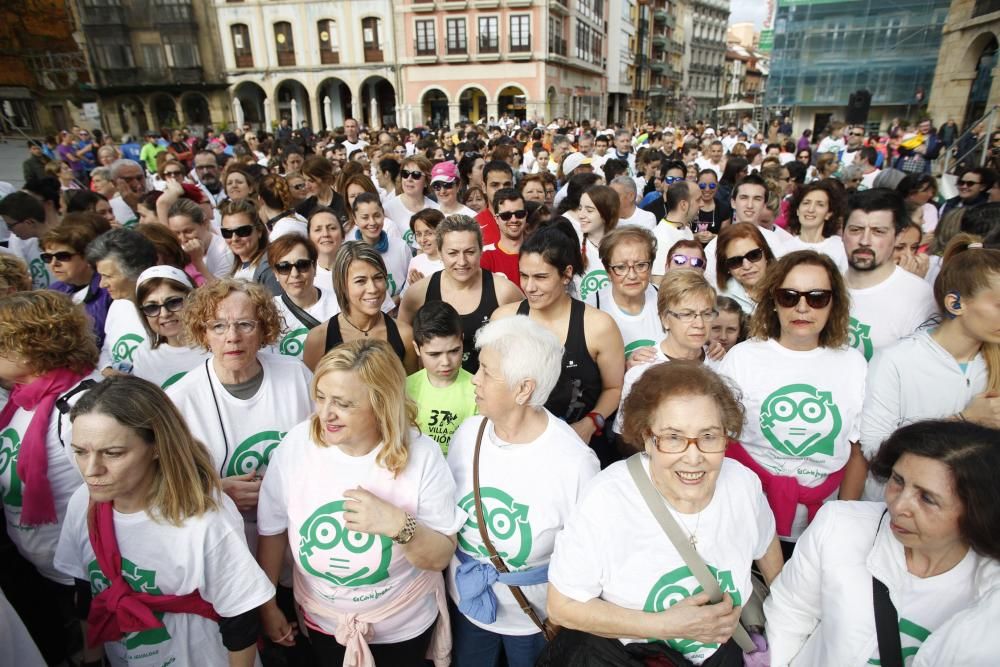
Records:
x=409, y=653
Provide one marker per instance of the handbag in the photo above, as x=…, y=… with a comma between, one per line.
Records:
x=548, y=629
x=752, y=615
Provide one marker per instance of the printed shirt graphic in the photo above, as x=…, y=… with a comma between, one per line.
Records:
x=441, y=410
x=612, y=547
x=883, y=314
x=293, y=336
x=642, y=330
x=123, y=334
x=337, y=570
x=528, y=493
x=141, y=581
x=30, y=252
x=594, y=279
x=166, y=364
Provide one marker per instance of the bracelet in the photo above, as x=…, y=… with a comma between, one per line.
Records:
x=405, y=533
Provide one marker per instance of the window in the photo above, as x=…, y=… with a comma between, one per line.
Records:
x=114, y=55
x=489, y=34
x=456, y=37
x=557, y=39
x=589, y=44
x=284, y=44
x=241, y=45
x=182, y=50
x=520, y=33
x=329, y=45
x=152, y=57
x=370, y=38
x=426, y=41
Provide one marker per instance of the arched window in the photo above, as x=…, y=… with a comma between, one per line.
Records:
x=329, y=45
x=284, y=44
x=241, y=45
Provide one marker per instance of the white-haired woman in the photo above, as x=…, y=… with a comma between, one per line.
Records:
x=519, y=470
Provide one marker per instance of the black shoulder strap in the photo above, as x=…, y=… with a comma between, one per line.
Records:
x=63, y=406
x=304, y=317
x=890, y=648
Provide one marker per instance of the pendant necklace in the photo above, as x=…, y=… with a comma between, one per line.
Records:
x=358, y=329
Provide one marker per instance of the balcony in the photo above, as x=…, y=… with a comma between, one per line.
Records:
x=173, y=13
x=658, y=67
x=286, y=58
x=520, y=47
x=660, y=40
x=374, y=55
x=657, y=91
x=328, y=57
x=675, y=47
x=660, y=16
x=557, y=45
x=102, y=16
x=559, y=7
x=135, y=77
x=489, y=44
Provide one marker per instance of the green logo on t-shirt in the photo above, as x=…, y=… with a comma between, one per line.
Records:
x=10, y=445
x=291, y=344
x=39, y=274
x=125, y=347
x=391, y=285
x=592, y=282
x=408, y=237
x=140, y=581
x=172, y=379
x=636, y=344
x=328, y=550
x=799, y=420
x=507, y=524
x=253, y=454
x=671, y=589
x=912, y=637
x=860, y=338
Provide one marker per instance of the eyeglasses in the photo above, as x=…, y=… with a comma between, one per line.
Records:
x=753, y=257
x=789, y=298
x=172, y=304
x=520, y=214
x=968, y=184
x=675, y=443
x=412, y=175
x=442, y=185
x=693, y=262
x=670, y=180
x=622, y=270
x=173, y=173
x=300, y=265
x=688, y=316
x=299, y=186
x=242, y=231
x=220, y=327
x=710, y=186
x=47, y=257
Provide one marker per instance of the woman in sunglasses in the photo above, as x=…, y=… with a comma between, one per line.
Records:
x=414, y=179
x=815, y=216
x=301, y=304
x=161, y=294
x=714, y=212
x=802, y=388
x=686, y=254
x=297, y=187
x=742, y=255
x=444, y=182
x=247, y=238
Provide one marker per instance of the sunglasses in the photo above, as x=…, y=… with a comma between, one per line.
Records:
x=412, y=175
x=670, y=180
x=441, y=185
x=242, y=232
x=64, y=256
x=520, y=214
x=754, y=256
x=708, y=186
x=172, y=304
x=789, y=298
x=300, y=265
x=969, y=184
x=173, y=173
x=693, y=262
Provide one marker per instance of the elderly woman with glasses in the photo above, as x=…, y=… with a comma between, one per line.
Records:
x=802, y=387
x=618, y=585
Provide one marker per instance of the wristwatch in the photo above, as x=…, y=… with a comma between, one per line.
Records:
x=598, y=420
x=405, y=533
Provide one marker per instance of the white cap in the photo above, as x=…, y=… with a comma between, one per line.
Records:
x=164, y=271
x=574, y=160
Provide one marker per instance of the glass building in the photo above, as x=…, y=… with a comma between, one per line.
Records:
x=824, y=50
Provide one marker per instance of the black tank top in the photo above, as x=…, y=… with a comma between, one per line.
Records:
x=471, y=322
x=335, y=338
x=579, y=384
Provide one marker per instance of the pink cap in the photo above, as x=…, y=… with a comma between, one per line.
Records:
x=444, y=172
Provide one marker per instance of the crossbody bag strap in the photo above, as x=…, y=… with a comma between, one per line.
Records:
x=890, y=646
x=304, y=317
x=495, y=558
x=676, y=536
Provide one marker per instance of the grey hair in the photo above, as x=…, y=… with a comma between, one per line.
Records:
x=118, y=165
x=626, y=182
x=852, y=171
x=101, y=172
x=187, y=208
x=560, y=139
x=130, y=250
x=527, y=351
x=623, y=133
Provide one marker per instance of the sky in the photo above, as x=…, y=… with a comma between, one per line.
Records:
x=748, y=10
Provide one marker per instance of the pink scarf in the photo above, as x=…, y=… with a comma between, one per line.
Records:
x=119, y=609
x=40, y=395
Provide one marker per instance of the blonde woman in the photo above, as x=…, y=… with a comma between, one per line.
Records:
x=366, y=505
x=152, y=517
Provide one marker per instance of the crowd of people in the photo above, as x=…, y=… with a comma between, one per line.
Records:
x=557, y=395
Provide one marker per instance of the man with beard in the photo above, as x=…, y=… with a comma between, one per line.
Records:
x=887, y=302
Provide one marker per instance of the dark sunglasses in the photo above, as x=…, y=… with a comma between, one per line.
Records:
x=670, y=180
x=753, y=257
x=172, y=304
x=969, y=184
x=520, y=214
x=242, y=232
x=441, y=185
x=693, y=262
x=412, y=175
x=300, y=265
x=789, y=298
x=709, y=186
x=64, y=256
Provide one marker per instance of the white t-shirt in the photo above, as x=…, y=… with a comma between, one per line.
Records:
x=124, y=214
x=667, y=234
x=704, y=163
x=219, y=258
x=639, y=218
x=350, y=147
x=894, y=308
x=534, y=487
x=290, y=224
x=831, y=145
x=613, y=548
x=425, y=265
x=637, y=331
x=803, y=409
x=166, y=364
x=38, y=543
x=351, y=572
x=396, y=211
x=324, y=283
x=123, y=334
x=397, y=259
x=735, y=291
x=29, y=251
x=832, y=247
x=461, y=210
x=207, y=554
x=594, y=277
x=292, y=340
x=632, y=376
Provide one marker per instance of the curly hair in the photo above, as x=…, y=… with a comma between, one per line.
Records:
x=48, y=330
x=204, y=302
x=765, y=324
x=14, y=276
